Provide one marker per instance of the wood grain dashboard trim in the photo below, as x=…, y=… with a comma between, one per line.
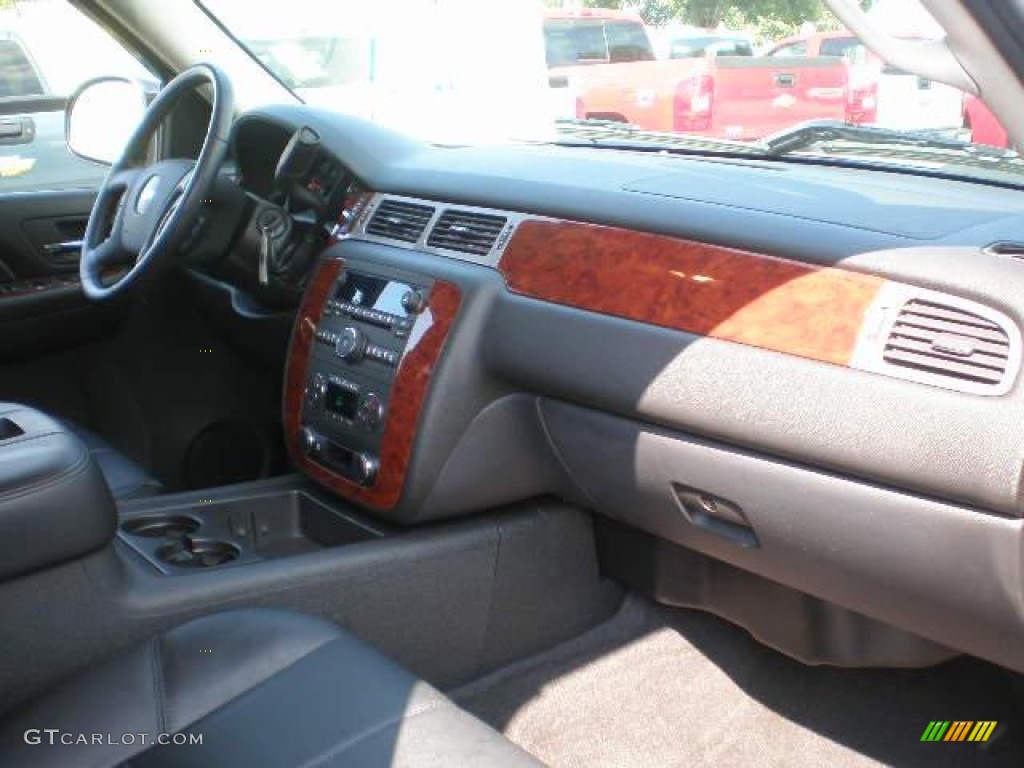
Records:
x=409, y=391
x=708, y=290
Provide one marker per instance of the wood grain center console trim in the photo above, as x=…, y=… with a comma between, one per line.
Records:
x=409, y=391
x=708, y=290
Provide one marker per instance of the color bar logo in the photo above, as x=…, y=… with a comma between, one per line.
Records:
x=958, y=730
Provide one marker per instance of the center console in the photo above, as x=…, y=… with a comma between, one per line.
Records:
x=255, y=522
x=362, y=353
x=54, y=503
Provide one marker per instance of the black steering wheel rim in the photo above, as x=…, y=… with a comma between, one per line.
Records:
x=143, y=213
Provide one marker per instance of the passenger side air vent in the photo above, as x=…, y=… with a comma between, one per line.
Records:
x=466, y=232
x=397, y=220
x=1014, y=250
x=948, y=341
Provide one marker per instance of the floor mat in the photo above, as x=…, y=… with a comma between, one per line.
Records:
x=659, y=687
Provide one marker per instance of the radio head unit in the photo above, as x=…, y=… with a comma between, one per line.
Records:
x=365, y=326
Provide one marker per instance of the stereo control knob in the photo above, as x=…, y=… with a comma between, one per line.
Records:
x=413, y=302
x=310, y=440
x=351, y=344
x=368, y=467
x=371, y=410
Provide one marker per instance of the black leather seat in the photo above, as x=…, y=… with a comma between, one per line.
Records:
x=262, y=688
x=125, y=478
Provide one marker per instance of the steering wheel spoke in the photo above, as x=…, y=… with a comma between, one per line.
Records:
x=108, y=254
x=105, y=259
x=122, y=179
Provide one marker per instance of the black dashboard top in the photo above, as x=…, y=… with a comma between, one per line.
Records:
x=803, y=211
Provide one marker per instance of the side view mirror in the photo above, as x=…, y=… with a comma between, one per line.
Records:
x=101, y=116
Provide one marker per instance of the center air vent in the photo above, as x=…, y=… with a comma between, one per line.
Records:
x=947, y=341
x=400, y=221
x=466, y=232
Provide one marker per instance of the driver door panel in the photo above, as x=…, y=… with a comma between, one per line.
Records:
x=34, y=224
x=42, y=308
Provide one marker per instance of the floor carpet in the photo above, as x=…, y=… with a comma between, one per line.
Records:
x=659, y=687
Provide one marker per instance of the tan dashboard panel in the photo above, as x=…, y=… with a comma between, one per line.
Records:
x=708, y=290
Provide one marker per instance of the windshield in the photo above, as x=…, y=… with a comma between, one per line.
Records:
x=687, y=75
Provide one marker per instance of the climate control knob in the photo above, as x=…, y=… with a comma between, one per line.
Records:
x=371, y=410
x=351, y=344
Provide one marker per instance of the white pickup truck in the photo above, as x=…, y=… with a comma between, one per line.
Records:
x=36, y=79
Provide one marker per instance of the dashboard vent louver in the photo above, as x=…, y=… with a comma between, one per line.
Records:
x=466, y=232
x=948, y=341
x=400, y=221
x=1013, y=249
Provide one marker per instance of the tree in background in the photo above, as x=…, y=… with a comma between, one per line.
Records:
x=786, y=13
x=770, y=19
x=655, y=12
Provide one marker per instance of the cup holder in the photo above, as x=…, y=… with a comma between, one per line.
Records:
x=162, y=527
x=189, y=552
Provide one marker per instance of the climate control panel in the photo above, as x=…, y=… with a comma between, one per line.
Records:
x=365, y=325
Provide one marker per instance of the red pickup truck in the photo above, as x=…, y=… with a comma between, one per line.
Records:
x=985, y=127
x=607, y=57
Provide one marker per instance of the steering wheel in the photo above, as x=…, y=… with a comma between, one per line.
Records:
x=143, y=213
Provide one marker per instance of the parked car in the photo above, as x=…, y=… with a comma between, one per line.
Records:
x=881, y=94
x=609, y=58
x=390, y=74
x=40, y=134
x=595, y=36
x=696, y=43
x=984, y=127
x=36, y=79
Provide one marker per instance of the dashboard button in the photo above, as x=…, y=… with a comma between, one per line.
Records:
x=316, y=390
x=367, y=467
x=403, y=328
x=310, y=440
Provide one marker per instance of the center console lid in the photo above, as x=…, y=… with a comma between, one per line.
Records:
x=54, y=503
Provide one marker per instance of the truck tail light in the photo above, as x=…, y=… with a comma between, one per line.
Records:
x=862, y=104
x=694, y=103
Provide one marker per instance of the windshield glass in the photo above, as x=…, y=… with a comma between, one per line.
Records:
x=697, y=75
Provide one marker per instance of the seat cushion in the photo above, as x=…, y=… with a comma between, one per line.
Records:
x=259, y=688
x=126, y=479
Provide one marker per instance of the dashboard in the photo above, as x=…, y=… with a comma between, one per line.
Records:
x=258, y=147
x=808, y=372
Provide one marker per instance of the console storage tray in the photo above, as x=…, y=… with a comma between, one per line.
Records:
x=183, y=536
